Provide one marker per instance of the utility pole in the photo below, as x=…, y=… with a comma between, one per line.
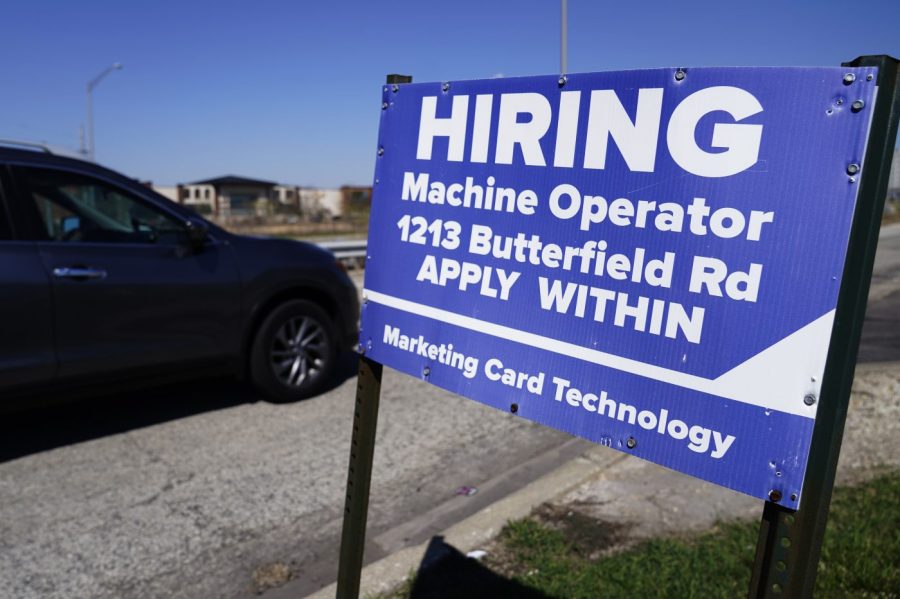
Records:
x=90, y=104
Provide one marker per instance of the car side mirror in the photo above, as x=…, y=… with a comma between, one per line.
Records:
x=197, y=233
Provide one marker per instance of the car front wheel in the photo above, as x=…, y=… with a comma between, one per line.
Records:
x=294, y=352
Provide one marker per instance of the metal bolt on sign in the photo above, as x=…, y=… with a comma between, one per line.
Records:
x=849, y=78
x=857, y=105
x=679, y=75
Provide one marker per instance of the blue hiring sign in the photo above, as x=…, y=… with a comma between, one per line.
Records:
x=647, y=259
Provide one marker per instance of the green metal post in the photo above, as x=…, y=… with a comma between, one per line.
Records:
x=359, y=474
x=787, y=553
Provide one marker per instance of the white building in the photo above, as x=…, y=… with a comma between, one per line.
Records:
x=321, y=203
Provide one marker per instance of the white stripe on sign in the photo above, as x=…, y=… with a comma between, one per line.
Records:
x=774, y=387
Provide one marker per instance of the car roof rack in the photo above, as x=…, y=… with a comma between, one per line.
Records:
x=27, y=144
x=44, y=147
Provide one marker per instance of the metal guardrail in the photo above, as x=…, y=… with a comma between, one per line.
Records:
x=351, y=252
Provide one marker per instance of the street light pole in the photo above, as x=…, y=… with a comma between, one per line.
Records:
x=563, y=37
x=90, y=104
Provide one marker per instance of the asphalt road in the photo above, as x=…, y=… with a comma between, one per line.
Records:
x=198, y=490
x=201, y=490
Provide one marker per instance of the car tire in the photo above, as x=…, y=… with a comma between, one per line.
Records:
x=294, y=352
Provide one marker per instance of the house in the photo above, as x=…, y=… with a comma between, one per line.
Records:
x=229, y=196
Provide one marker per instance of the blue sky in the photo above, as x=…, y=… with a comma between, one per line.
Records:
x=291, y=91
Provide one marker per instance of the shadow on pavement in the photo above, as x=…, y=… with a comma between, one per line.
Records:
x=102, y=412
x=445, y=573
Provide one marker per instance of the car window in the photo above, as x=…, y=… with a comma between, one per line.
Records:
x=76, y=208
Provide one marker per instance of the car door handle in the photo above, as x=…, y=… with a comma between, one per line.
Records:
x=78, y=273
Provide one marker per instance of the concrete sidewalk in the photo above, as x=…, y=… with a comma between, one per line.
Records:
x=648, y=500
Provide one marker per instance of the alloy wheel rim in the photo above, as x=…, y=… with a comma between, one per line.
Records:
x=298, y=351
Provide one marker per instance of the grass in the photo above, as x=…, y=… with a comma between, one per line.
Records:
x=713, y=565
x=860, y=556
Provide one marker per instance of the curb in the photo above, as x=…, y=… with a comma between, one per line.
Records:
x=480, y=528
x=483, y=526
